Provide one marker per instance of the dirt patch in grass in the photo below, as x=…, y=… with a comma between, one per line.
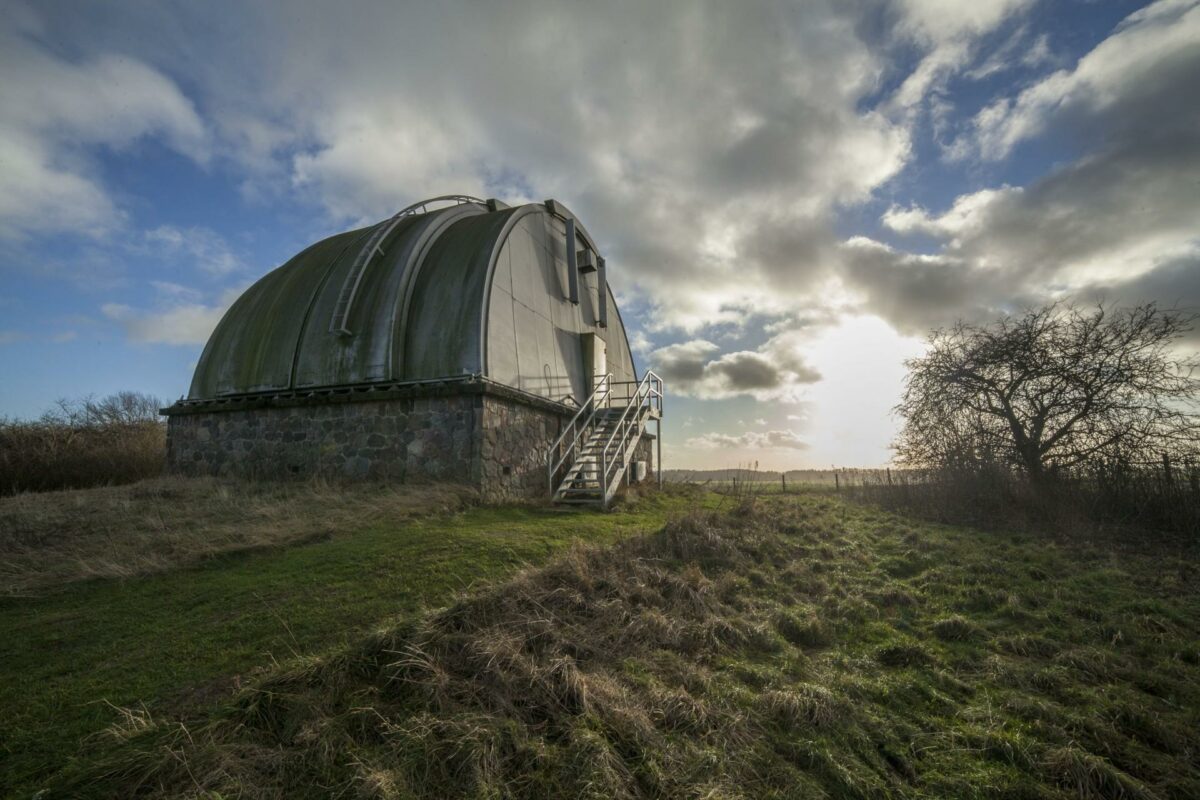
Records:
x=48, y=539
x=682, y=664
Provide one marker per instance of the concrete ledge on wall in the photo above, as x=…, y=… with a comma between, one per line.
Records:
x=363, y=393
x=472, y=431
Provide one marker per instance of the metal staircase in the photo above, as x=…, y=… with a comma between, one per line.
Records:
x=587, y=463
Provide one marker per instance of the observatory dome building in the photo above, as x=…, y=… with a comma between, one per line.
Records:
x=458, y=340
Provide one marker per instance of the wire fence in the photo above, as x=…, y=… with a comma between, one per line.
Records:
x=1151, y=496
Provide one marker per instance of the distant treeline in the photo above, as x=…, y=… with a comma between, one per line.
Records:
x=84, y=442
x=797, y=476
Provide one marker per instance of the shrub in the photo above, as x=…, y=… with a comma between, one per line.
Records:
x=82, y=443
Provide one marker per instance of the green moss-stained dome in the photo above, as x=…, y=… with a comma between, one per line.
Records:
x=470, y=289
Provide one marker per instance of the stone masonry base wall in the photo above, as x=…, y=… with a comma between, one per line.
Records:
x=405, y=439
x=492, y=441
x=515, y=438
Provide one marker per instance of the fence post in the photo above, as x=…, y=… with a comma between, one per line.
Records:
x=783, y=480
x=837, y=483
x=889, y=474
x=1167, y=469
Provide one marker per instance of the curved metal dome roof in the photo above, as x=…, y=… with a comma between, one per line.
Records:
x=447, y=287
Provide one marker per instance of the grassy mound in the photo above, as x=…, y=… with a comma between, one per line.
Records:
x=800, y=648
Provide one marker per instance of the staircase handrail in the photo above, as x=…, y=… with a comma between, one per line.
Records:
x=651, y=387
x=601, y=392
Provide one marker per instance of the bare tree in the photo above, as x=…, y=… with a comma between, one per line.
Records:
x=122, y=408
x=1052, y=389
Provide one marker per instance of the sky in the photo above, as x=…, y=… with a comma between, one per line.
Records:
x=789, y=196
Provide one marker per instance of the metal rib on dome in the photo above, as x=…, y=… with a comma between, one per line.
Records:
x=341, y=312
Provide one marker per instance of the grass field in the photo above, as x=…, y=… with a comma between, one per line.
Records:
x=791, y=646
x=203, y=620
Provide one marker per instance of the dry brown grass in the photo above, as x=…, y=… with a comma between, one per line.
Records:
x=665, y=666
x=49, y=539
x=39, y=457
x=84, y=442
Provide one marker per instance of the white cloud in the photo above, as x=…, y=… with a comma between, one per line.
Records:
x=948, y=29
x=54, y=112
x=206, y=249
x=181, y=324
x=1154, y=49
x=965, y=217
x=38, y=197
x=690, y=136
x=1016, y=51
x=751, y=440
x=639, y=342
x=1117, y=220
x=176, y=292
x=948, y=20
x=709, y=148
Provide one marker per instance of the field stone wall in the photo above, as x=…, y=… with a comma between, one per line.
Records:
x=514, y=442
x=406, y=439
x=492, y=440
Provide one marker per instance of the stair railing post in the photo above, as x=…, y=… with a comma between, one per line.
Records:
x=658, y=444
x=603, y=479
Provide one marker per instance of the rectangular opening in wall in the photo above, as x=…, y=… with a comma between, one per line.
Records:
x=595, y=359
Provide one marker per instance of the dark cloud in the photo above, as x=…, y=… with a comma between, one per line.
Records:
x=917, y=293
x=747, y=371
x=684, y=363
x=777, y=370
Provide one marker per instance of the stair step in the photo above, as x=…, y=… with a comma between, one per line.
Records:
x=610, y=442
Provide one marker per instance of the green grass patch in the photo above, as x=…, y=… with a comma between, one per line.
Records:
x=774, y=650
x=175, y=643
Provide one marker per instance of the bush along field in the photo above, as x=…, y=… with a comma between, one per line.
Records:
x=784, y=647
